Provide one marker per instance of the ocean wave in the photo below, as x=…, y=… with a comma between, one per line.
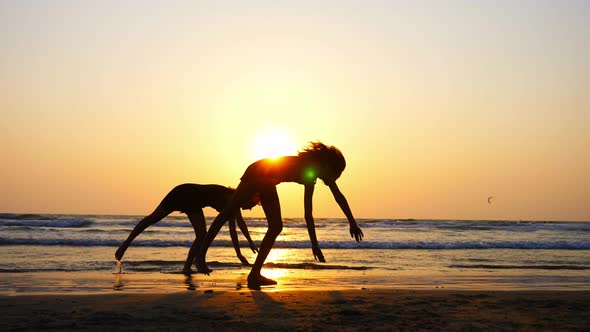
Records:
x=421, y=245
x=46, y=223
x=163, y=223
x=313, y=266
x=91, y=242
x=27, y=216
x=476, y=225
x=48, y=269
x=289, y=224
x=405, y=225
x=187, y=224
x=173, y=267
x=521, y=267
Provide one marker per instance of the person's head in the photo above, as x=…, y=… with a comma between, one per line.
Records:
x=250, y=203
x=331, y=160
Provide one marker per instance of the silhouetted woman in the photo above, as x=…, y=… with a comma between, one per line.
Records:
x=191, y=198
x=315, y=161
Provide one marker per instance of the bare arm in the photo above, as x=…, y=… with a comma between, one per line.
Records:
x=234, y=239
x=244, y=229
x=308, y=205
x=355, y=231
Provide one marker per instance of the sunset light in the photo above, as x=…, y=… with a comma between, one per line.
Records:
x=435, y=106
x=273, y=143
x=287, y=165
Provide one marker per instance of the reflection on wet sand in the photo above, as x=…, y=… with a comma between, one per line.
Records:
x=119, y=284
x=189, y=282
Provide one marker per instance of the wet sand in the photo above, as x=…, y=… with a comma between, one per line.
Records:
x=302, y=310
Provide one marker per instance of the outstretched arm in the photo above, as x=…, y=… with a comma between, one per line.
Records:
x=355, y=231
x=244, y=229
x=308, y=205
x=234, y=239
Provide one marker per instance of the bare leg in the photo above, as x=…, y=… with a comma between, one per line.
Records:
x=158, y=214
x=242, y=194
x=197, y=219
x=272, y=210
x=221, y=219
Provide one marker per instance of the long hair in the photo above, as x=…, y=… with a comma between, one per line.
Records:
x=255, y=197
x=327, y=155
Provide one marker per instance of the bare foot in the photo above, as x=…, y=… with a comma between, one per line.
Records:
x=187, y=271
x=202, y=268
x=255, y=281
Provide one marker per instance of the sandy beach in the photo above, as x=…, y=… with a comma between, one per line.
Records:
x=63, y=279
x=302, y=310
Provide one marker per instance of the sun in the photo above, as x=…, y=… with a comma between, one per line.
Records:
x=273, y=143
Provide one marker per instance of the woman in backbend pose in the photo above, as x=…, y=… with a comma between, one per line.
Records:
x=191, y=198
x=315, y=161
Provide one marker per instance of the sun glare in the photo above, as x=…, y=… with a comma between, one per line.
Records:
x=276, y=255
x=273, y=143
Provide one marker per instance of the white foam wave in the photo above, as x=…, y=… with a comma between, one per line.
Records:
x=418, y=245
x=46, y=223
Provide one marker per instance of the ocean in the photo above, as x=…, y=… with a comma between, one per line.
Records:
x=45, y=253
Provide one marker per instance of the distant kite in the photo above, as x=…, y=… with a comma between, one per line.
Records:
x=490, y=199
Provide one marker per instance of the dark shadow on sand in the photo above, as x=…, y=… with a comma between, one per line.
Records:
x=275, y=309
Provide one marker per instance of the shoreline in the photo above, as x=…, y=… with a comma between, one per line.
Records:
x=105, y=282
x=160, y=276
x=289, y=310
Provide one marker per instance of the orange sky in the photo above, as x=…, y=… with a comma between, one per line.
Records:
x=106, y=106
